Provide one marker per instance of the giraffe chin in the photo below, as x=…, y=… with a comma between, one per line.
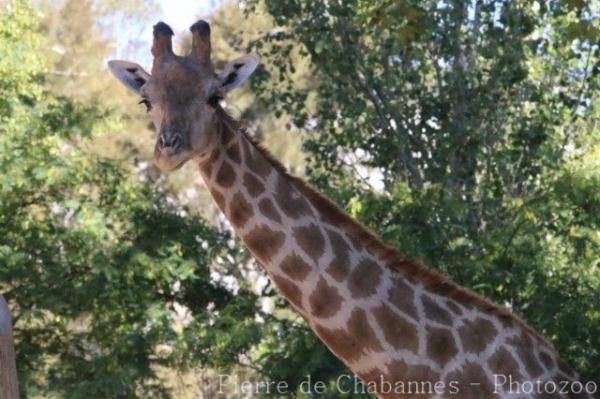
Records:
x=172, y=163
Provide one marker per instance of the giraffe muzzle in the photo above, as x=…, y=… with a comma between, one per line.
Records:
x=170, y=143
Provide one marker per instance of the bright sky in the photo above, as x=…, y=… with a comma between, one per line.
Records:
x=181, y=14
x=133, y=42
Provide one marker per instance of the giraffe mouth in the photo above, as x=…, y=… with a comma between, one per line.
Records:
x=172, y=162
x=179, y=165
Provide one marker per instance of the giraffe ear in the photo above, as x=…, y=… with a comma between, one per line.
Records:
x=237, y=71
x=130, y=74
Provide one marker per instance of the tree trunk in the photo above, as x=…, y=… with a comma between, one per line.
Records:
x=9, y=385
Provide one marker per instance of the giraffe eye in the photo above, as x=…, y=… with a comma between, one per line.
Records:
x=146, y=102
x=213, y=100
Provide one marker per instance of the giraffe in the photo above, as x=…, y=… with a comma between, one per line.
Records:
x=403, y=329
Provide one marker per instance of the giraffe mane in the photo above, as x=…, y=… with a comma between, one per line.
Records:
x=389, y=255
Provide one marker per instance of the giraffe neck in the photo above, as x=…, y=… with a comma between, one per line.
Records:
x=388, y=319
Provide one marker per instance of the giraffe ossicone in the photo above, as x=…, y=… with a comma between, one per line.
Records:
x=405, y=330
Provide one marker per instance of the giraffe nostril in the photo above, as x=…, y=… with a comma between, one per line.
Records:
x=176, y=141
x=170, y=141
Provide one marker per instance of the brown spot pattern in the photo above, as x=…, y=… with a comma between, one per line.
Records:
x=226, y=136
x=253, y=185
x=310, y=239
x=295, y=267
x=234, y=153
x=355, y=241
x=398, y=332
x=374, y=375
x=219, y=199
x=532, y=366
x=359, y=327
x=503, y=363
x=546, y=360
x=402, y=296
x=264, y=242
x=340, y=264
x=477, y=334
x=289, y=290
x=240, y=210
x=472, y=373
x=454, y=307
x=206, y=167
x=506, y=320
x=435, y=312
x=340, y=342
x=325, y=301
x=255, y=161
x=364, y=279
x=267, y=208
x=289, y=199
x=440, y=345
x=225, y=175
x=418, y=380
x=525, y=345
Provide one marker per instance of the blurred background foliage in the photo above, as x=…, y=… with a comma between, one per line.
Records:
x=464, y=133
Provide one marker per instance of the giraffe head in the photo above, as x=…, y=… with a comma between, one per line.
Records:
x=182, y=93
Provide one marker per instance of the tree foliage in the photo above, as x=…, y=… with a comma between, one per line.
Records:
x=464, y=133
x=106, y=276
